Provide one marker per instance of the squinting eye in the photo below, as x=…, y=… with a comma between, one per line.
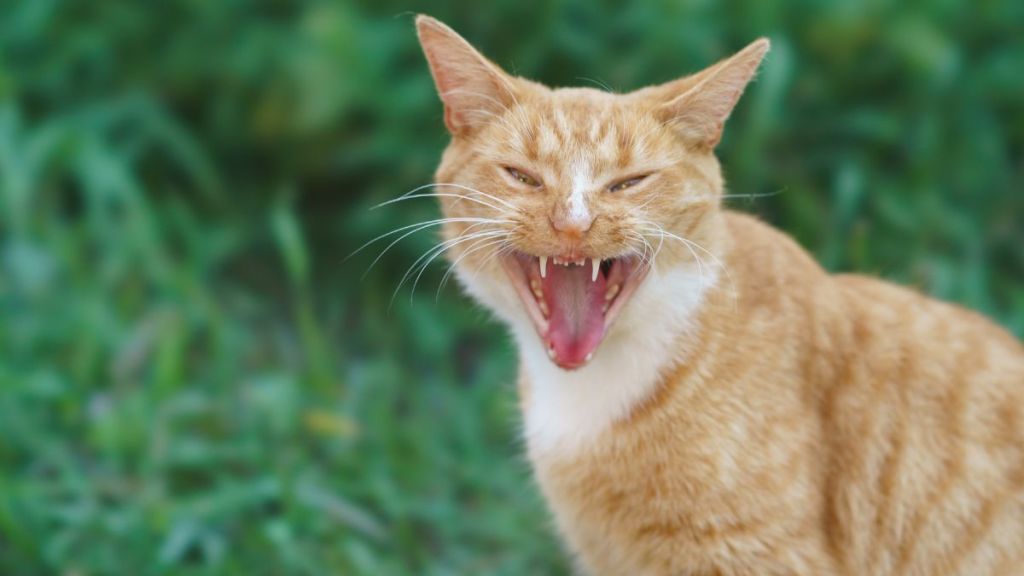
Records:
x=522, y=177
x=627, y=183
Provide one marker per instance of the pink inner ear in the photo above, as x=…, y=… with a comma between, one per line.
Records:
x=444, y=83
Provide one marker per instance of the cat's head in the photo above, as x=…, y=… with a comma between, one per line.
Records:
x=561, y=202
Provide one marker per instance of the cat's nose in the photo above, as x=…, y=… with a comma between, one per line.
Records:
x=571, y=220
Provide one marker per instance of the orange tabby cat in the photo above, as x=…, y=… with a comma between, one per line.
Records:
x=699, y=396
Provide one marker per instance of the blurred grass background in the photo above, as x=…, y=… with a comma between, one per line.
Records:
x=193, y=380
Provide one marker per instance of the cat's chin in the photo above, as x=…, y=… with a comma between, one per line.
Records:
x=573, y=303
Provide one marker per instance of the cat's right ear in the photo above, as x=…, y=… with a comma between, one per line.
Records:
x=473, y=89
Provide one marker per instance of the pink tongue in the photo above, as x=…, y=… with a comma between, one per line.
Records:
x=576, y=322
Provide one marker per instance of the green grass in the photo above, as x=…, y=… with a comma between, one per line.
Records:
x=193, y=378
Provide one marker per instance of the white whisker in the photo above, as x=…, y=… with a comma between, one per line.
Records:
x=690, y=245
x=438, y=249
x=474, y=248
x=452, y=185
x=426, y=224
x=417, y=228
x=437, y=195
x=480, y=237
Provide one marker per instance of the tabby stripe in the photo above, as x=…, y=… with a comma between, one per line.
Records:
x=897, y=432
x=954, y=471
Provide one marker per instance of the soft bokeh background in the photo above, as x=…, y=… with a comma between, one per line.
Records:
x=193, y=379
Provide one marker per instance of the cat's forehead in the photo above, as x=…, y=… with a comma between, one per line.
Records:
x=605, y=128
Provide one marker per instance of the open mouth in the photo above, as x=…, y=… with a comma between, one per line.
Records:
x=573, y=302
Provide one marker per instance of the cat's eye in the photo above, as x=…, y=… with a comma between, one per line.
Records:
x=627, y=183
x=522, y=177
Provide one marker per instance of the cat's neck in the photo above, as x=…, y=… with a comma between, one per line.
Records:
x=568, y=410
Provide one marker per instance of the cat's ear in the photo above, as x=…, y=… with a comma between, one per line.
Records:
x=698, y=105
x=472, y=88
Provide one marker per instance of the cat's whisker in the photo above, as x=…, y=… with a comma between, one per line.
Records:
x=451, y=268
x=414, y=194
x=647, y=255
x=662, y=233
x=416, y=227
x=444, y=245
x=427, y=257
x=465, y=188
x=440, y=195
x=475, y=247
x=597, y=83
x=755, y=195
x=478, y=237
x=506, y=249
x=713, y=198
x=700, y=261
x=690, y=244
x=644, y=205
x=655, y=252
x=641, y=255
x=503, y=249
x=419, y=226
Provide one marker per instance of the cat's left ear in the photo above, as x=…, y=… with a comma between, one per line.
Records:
x=698, y=105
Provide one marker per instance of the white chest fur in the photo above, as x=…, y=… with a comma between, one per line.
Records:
x=568, y=409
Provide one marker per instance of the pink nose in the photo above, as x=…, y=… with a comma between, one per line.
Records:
x=571, y=224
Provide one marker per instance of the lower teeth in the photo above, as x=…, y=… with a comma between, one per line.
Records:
x=612, y=292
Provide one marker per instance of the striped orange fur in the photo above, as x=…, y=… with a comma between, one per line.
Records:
x=730, y=408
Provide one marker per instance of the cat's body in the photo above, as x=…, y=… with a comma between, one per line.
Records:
x=705, y=399
x=839, y=425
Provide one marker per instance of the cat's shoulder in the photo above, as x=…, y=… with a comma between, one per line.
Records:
x=749, y=231
x=764, y=254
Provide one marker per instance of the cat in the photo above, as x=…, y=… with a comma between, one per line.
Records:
x=698, y=395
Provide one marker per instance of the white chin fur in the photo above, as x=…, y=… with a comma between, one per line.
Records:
x=568, y=409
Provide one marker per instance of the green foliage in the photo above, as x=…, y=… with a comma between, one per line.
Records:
x=193, y=378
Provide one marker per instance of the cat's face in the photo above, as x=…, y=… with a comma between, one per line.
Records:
x=560, y=203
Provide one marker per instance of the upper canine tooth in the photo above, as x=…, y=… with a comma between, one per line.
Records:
x=595, y=267
x=543, y=266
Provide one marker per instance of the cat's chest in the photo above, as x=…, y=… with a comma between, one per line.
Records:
x=618, y=504
x=690, y=471
x=653, y=496
x=568, y=413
